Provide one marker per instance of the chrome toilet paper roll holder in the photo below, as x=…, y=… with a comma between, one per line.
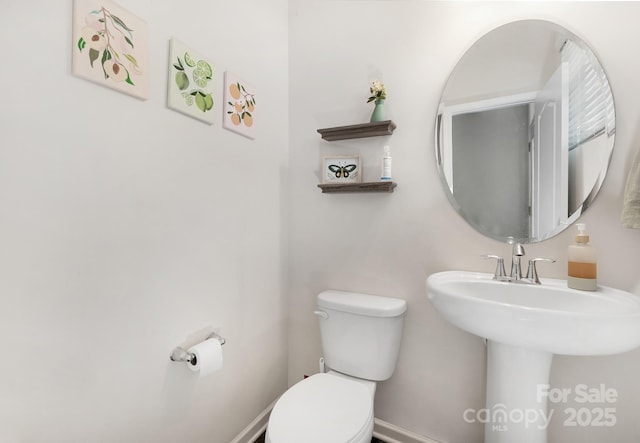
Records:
x=179, y=354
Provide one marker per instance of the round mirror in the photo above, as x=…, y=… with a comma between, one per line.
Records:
x=525, y=131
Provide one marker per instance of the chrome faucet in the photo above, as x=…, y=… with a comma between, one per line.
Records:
x=515, y=276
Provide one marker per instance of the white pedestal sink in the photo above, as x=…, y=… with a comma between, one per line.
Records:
x=525, y=325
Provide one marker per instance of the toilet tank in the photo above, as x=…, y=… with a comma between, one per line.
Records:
x=360, y=333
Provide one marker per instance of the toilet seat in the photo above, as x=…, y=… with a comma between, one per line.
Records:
x=325, y=407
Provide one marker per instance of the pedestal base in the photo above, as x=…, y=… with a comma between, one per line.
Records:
x=516, y=410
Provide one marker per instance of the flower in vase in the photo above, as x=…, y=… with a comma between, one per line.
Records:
x=377, y=90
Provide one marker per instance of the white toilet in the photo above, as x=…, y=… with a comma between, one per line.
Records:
x=360, y=339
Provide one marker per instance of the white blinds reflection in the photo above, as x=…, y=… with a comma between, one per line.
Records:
x=591, y=111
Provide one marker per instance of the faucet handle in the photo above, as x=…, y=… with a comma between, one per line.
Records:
x=532, y=271
x=500, y=273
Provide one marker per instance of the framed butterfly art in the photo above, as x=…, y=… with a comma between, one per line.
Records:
x=341, y=169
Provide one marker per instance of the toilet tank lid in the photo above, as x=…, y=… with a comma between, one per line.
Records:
x=364, y=304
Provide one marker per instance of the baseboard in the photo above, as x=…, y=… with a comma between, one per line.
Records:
x=394, y=434
x=381, y=430
x=256, y=428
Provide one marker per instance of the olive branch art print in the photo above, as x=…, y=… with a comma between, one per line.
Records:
x=110, y=46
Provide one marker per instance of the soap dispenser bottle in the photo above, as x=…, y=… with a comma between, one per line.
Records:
x=582, y=269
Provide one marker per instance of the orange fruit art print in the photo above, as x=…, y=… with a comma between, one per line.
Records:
x=240, y=106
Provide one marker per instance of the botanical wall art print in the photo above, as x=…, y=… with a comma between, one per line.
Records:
x=110, y=46
x=341, y=169
x=190, y=83
x=239, y=113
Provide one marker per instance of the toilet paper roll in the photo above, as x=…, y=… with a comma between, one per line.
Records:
x=208, y=357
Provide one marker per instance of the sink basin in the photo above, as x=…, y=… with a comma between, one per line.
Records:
x=525, y=325
x=548, y=317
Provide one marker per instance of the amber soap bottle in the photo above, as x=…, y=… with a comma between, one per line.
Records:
x=583, y=268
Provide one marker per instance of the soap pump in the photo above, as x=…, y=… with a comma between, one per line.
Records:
x=582, y=269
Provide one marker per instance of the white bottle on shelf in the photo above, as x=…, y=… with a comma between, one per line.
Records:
x=386, y=164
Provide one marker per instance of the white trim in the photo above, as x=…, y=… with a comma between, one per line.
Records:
x=383, y=430
x=492, y=103
x=394, y=434
x=255, y=429
x=444, y=143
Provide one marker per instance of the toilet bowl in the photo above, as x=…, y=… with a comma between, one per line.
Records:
x=361, y=337
x=326, y=407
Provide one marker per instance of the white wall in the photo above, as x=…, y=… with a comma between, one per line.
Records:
x=127, y=229
x=388, y=244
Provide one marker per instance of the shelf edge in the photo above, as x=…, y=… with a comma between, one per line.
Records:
x=383, y=186
x=361, y=130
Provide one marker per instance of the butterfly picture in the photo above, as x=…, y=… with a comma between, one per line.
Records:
x=341, y=169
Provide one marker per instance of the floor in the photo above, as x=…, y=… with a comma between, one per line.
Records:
x=373, y=440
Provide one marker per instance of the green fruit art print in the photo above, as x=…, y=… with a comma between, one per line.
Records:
x=191, y=82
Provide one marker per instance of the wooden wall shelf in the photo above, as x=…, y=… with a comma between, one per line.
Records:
x=358, y=131
x=384, y=186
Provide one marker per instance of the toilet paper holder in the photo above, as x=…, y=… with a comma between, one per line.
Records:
x=179, y=354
